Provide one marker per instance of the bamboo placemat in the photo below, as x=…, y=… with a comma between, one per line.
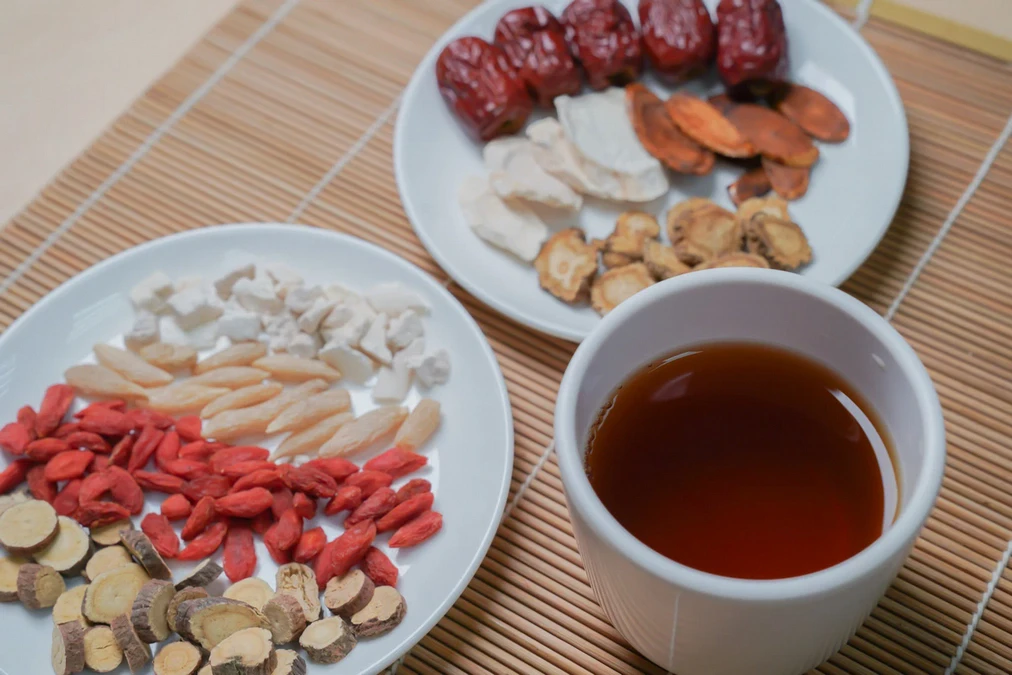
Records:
x=285, y=111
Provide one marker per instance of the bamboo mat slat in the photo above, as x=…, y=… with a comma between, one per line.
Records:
x=311, y=90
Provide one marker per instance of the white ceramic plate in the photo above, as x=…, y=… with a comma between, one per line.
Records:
x=470, y=458
x=855, y=186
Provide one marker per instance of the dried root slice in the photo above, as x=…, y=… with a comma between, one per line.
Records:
x=242, y=398
x=28, y=527
x=660, y=136
x=131, y=366
x=328, y=640
x=112, y=593
x=772, y=205
x=752, y=183
x=9, y=567
x=254, y=419
x=135, y=650
x=108, y=535
x=68, y=606
x=39, y=586
x=774, y=135
x=169, y=357
x=206, y=670
x=349, y=593
x=177, y=658
x=700, y=230
x=289, y=663
x=245, y=652
x=150, y=608
x=144, y=552
x=286, y=618
x=787, y=181
x=735, y=260
x=101, y=382
x=183, y=397
x=181, y=596
x=309, y=441
x=68, y=648
x=617, y=285
x=706, y=125
x=611, y=259
x=68, y=553
x=306, y=413
x=363, y=431
x=780, y=241
x=814, y=113
x=254, y=591
x=230, y=377
x=7, y=501
x=662, y=261
x=208, y=621
x=386, y=609
x=299, y=581
x=288, y=368
x=242, y=354
x=105, y=559
x=566, y=265
x=419, y=426
x=632, y=230
x=101, y=651
x=202, y=575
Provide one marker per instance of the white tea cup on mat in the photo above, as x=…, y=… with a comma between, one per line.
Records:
x=695, y=623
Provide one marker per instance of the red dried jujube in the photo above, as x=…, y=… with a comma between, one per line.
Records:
x=535, y=43
x=751, y=42
x=603, y=38
x=679, y=37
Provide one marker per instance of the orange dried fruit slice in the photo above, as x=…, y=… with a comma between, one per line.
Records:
x=722, y=102
x=779, y=241
x=700, y=231
x=790, y=182
x=814, y=113
x=774, y=135
x=752, y=183
x=735, y=260
x=705, y=124
x=661, y=137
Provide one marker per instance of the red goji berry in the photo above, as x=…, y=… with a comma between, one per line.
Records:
x=240, y=469
x=378, y=567
x=311, y=481
x=415, y=486
x=200, y=518
x=348, y=497
x=15, y=438
x=188, y=428
x=283, y=500
x=351, y=547
x=106, y=422
x=39, y=486
x=310, y=544
x=145, y=446
x=397, y=462
x=120, y=455
x=26, y=418
x=14, y=475
x=285, y=533
x=161, y=534
x=304, y=506
x=94, y=487
x=159, y=482
x=114, y=404
x=323, y=564
x=67, y=465
x=145, y=417
x=176, y=507
x=93, y=514
x=262, y=522
x=198, y=450
x=88, y=440
x=238, y=453
x=417, y=530
x=245, y=504
x=66, y=429
x=337, y=468
x=277, y=555
x=206, y=486
x=45, y=449
x=376, y=505
x=240, y=559
x=215, y=446
x=125, y=490
x=265, y=478
x=405, y=511
x=66, y=501
x=55, y=404
x=99, y=463
x=167, y=450
x=187, y=468
x=369, y=481
x=206, y=544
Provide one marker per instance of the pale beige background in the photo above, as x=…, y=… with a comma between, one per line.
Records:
x=69, y=67
x=989, y=16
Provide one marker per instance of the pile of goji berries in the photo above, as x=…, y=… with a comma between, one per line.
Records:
x=96, y=467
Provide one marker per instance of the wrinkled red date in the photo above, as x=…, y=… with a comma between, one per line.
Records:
x=603, y=38
x=751, y=42
x=535, y=44
x=679, y=37
x=482, y=88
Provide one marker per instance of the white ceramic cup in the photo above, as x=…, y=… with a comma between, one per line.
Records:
x=694, y=623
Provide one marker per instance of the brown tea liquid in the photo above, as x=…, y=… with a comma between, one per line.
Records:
x=742, y=460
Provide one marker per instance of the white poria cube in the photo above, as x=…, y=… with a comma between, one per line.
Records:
x=239, y=325
x=310, y=320
x=352, y=363
x=303, y=345
x=191, y=281
x=258, y=295
x=301, y=298
x=150, y=294
x=276, y=324
x=432, y=369
x=204, y=336
x=223, y=285
x=284, y=277
x=170, y=332
x=374, y=342
x=339, y=293
x=144, y=331
x=281, y=335
x=394, y=298
x=352, y=330
x=195, y=306
x=404, y=329
x=393, y=383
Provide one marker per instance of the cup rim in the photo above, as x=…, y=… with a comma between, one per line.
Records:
x=583, y=499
